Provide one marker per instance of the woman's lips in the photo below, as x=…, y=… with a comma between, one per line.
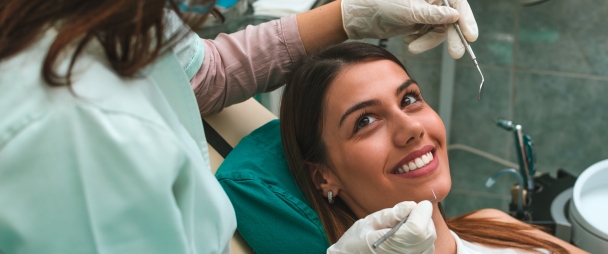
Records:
x=411, y=157
x=426, y=169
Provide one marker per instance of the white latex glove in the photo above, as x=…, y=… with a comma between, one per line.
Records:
x=426, y=23
x=416, y=235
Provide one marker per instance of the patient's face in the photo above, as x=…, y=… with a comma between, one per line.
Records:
x=385, y=144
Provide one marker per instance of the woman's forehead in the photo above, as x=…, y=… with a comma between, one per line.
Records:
x=365, y=81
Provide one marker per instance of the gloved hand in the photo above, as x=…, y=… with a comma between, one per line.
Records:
x=416, y=235
x=424, y=22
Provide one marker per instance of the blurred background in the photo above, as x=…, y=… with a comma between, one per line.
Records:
x=546, y=68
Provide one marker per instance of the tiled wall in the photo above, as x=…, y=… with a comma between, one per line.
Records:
x=546, y=68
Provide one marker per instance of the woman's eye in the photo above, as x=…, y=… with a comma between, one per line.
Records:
x=364, y=121
x=408, y=99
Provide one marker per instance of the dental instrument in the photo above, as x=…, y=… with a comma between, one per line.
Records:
x=394, y=229
x=469, y=50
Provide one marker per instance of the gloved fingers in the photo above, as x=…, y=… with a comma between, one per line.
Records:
x=403, y=209
x=419, y=30
x=353, y=240
x=416, y=228
x=386, y=246
x=429, y=240
x=455, y=46
x=394, y=244
x=382, y=219
x=440, y=29
x=427, y=245
x=389, y=217
x=410, y=38
x=467, y=22
x=373, y=236
x=417, y=235
x=428, y=41
x=425, y=13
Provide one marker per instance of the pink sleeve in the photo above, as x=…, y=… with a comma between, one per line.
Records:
x=239, y=65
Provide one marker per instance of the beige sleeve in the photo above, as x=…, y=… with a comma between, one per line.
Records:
x=239, y=65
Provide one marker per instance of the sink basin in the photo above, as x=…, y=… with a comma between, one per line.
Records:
x=589, y=209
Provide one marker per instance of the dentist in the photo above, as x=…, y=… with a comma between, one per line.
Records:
x=101, y=143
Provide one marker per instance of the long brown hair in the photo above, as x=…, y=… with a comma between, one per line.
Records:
x=301, y=126
x=130, y=31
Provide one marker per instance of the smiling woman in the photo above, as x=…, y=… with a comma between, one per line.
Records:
x=357, y=131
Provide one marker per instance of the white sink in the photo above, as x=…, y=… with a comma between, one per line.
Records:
x=589, y=209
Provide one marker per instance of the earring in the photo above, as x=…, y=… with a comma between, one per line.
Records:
x=330, y=197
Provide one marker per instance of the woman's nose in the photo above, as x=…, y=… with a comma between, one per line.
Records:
x=406, y=129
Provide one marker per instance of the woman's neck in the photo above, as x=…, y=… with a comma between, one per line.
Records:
x=445, y=242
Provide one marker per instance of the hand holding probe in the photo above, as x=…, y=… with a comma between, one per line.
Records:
x=469, y=50
x=394, y=229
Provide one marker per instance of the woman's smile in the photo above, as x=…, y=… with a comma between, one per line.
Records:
x=418, y=163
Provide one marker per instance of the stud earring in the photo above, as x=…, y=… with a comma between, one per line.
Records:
x=330, y=197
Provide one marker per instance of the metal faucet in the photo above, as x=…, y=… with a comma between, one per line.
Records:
x=525, y=152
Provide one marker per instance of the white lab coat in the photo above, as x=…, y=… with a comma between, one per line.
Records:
x=120, y=166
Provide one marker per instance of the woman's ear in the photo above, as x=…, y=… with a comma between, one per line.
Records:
x=324, y=179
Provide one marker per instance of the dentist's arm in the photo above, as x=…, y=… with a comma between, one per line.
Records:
x=255, y=60
x=321, y=26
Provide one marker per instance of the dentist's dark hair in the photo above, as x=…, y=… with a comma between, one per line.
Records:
x=302, y=108
x=128, y=31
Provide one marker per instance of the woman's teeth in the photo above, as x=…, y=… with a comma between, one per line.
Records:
x=416, y=163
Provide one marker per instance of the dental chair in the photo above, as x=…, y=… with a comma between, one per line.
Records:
x=272, y=214
x=232, y=124
x=223, y=132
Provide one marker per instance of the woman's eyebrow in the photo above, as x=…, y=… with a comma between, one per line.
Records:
x=358, y=106
x=404, y=86
x=374, y=102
